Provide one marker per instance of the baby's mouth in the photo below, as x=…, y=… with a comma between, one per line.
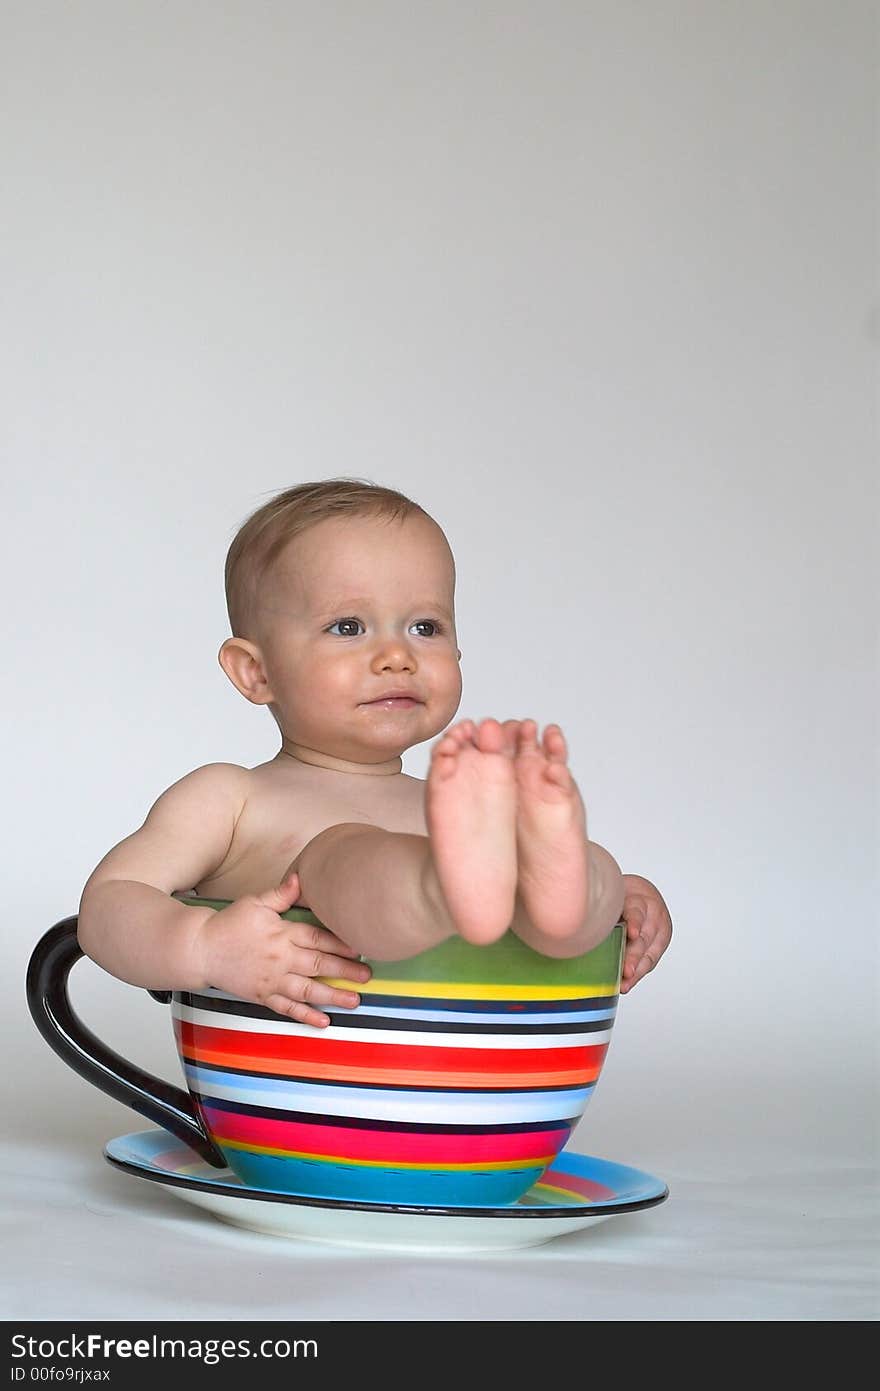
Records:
x=395, y=702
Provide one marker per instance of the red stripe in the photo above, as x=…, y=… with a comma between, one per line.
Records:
x=386, y=1146
x=256, y=1052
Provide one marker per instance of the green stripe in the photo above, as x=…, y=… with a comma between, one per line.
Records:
x=507, y=961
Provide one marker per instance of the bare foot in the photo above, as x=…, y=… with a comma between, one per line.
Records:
x=470, y=808
x=551, y=832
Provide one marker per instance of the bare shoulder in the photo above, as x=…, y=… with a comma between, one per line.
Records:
x=230, y=776
x=188, y=831
x=226, y=783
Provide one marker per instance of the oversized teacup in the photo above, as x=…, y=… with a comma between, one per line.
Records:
x=456, y=1081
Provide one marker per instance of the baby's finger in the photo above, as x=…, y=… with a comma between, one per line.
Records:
x=297, y=1010
x=318, y=963
x=635, y=912
x=636, y=970
x=319, y=939
x=319, y=992
x=282, y=896
x=635, y=950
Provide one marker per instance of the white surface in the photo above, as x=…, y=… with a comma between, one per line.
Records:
x=788, y=1242
x=596, y=284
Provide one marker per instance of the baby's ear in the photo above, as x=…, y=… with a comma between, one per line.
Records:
x=243, y=664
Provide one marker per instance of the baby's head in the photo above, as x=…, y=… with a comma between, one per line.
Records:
x=339, y=592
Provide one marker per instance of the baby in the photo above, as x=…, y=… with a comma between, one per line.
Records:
x=341, y=603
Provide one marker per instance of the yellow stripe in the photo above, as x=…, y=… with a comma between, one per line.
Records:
x=541, y=1162
x=453, y=990
x=568, y=1193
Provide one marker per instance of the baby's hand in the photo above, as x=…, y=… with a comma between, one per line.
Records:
x=248, y=950
x=648, y=929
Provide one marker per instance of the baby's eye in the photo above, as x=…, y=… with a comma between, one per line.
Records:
x=342, y=622
x=429, y=623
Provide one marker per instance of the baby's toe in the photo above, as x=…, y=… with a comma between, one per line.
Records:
x=555, y=746
x=490, y=736
x=510, y=728
x=527, y=737
x=557, y=772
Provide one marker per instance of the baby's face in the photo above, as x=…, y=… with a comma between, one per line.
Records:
x=355, y=608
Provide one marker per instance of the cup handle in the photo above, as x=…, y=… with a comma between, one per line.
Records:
x=54, y=1016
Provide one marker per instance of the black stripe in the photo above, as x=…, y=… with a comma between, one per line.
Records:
x=377, y=1086
x=367, y=1123
x=509, y=1010
x=428, y=1026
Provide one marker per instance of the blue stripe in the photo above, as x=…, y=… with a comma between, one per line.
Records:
x=407, y=1002
x=558, y=1104
x=354, y=1183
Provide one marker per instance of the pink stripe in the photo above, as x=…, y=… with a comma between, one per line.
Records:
x=584, y=1187
x=382, y=1145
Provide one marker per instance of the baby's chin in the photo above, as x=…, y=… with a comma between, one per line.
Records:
x=375, y=736
x=406, y=723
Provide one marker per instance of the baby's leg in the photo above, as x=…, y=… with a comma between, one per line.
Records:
x=470, y=806
x=390, y=894
x=375, y=889
x=554, y=862
x=570, y=891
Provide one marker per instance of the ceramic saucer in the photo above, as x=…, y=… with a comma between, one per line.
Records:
x=577, y=1192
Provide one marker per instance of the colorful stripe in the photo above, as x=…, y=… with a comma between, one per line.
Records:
x=244, y=1015
x=439, y=1086
x=567, y=1013
x=417, y=1105
x=474, y=1009
x=402, y=1064
x=413, y=1032
x=558, y=1186
x=443, y=1148
x=440, y=990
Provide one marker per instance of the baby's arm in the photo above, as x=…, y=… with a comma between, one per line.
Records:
x=129, y=924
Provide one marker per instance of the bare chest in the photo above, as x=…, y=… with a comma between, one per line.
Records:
x=285, y=809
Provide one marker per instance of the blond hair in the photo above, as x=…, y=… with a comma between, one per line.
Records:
x=266, y=532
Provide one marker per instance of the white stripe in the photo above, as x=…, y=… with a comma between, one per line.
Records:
x=461, y=1016
x=244, y=1024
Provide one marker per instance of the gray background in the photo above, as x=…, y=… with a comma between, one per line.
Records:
x=596, y=284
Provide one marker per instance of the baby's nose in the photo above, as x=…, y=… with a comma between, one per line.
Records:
x=395, y=651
